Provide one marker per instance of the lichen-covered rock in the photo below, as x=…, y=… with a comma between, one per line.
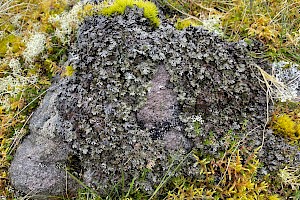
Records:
x=139, y=92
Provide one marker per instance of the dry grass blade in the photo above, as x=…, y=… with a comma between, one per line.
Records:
x=277, y=17
x=290, y=176
x=6, y=6
x=9, y=8
x=18, y=137
x=184, y=13
x=275, y=87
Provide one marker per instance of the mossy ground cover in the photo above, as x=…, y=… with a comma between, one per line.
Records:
x=24, y=82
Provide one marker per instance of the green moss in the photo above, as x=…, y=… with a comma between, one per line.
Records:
x=10, y=42
x=288, y=127
x=69, y=71
x=150, y=11
x=182, y=24
x=119, y=6
x=6, y=26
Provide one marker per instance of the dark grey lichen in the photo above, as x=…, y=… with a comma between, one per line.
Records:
x=115, y=116
x=138, y=92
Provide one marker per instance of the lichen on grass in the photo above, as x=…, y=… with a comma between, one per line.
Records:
x=23, y=83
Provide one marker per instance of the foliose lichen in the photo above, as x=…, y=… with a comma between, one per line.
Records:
x=118, y=58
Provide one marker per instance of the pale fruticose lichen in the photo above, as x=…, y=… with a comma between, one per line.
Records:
x=213, y=24
x=34, y=46
x=67, y=22
x=12, y=84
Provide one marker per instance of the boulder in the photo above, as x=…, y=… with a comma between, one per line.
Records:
x=134, y=102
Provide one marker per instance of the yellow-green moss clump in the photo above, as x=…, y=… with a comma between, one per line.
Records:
x=182, y=24
x=119, y=6
x=69, y=71
x=287, y=126
x=10, y=42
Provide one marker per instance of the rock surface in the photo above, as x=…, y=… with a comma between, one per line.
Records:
x=39, y=163
x=134, y=101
